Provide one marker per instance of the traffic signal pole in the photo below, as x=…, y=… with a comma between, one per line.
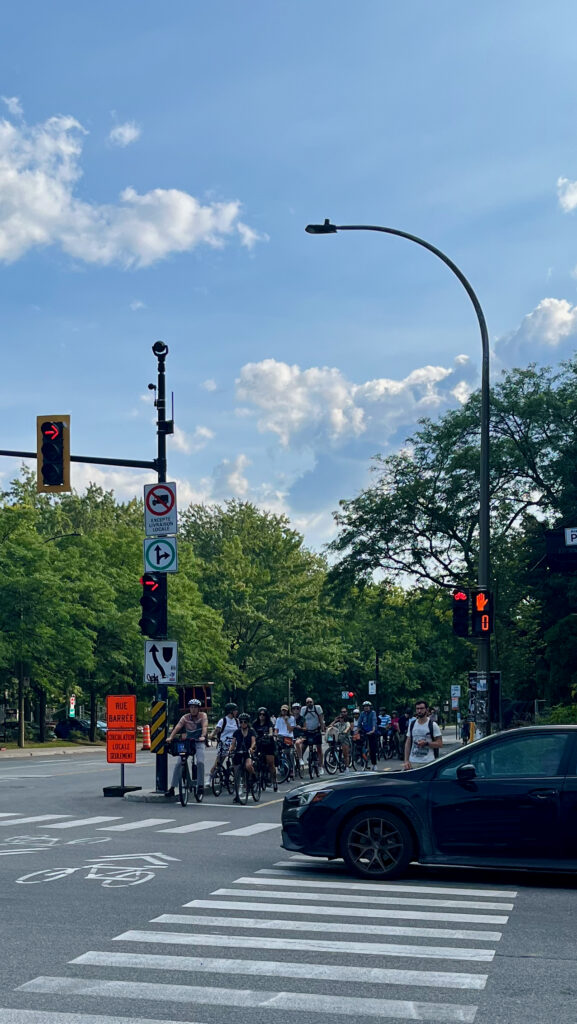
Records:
x=163, y=427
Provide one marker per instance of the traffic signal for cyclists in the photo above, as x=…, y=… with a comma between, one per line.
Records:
x=52, y=454
x=461, y=612
x=153, y=621
x=482, y=614
x=351, y=694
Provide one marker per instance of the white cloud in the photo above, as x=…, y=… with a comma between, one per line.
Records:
x=123, y=134
x=209, y=385
x=548, y=324
x=186, y=443
x=136, y=304
x=318, y=407
x=14, y=106
x=228, y=479
x=567, y=193
x=39, y=174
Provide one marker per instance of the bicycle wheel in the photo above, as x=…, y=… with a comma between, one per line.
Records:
x=331, y=761
x=313, y=765
x=389, y=750
x=283, y=769
x=255, y=788
x=183, y=787
x=217, y=781
x=229, y=779
x=242, y=786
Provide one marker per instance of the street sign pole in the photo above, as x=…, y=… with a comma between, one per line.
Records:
x=163, y=427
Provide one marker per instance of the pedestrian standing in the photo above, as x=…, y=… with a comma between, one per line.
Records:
x=423, y=738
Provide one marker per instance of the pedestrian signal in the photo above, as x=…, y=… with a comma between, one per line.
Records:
x=482, y=613
x=461, y=612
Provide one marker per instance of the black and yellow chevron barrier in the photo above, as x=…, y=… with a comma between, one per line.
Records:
x=158, y=727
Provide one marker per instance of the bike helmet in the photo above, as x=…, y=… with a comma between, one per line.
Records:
x=356, y=711
x=229, y=708
x=262, y=711
x=367, y=704
x=296, y=704
x=195, y=703
x=243, y=717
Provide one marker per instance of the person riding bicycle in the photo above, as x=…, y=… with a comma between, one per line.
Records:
x=384, y=722
x=313, y=726
x=341, y=729
x=242, y=746
x=367, y=727
x=224, y=731
x=284, y=731
x=265, y=745
x=194, y=726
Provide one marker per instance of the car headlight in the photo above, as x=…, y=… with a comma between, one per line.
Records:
x=312, y=796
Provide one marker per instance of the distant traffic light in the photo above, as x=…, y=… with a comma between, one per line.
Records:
x=351, y=694
x=461, y=612
x=52, y=454
x=153, y=621
x=482, y=613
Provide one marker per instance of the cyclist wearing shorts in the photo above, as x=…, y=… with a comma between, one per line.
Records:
x=313, y=725
x=242, y=746
x=223, y=733
x=341, y=728
x=284, y=730
x=194, y=725
x=265, y=744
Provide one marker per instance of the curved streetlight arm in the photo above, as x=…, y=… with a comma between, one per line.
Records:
x=484, y=536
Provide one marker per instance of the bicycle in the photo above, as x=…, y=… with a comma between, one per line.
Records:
x=246, y=784
x=223, y=776
x=313, y=761
x=263, y=772
x=334, y=757
x=361, y=755
x=187, y=782
x=285, y=761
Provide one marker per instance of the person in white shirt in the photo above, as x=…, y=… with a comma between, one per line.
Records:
x=224, y=731
x=422, y=738
x=284, y=729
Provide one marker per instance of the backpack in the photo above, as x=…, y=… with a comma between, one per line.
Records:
x=432, y=735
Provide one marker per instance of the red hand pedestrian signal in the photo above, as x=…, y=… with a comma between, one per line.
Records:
x=482, y=617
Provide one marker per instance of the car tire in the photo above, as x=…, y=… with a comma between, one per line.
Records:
x=376, y=844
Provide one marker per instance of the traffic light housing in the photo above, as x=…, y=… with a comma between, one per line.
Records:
x=351, y=694
x=52, y=454
x=153, y=621
x=482, y=612
x=461, y=612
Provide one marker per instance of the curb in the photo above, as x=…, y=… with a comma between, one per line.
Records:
x=143, y=797
x=51, y=752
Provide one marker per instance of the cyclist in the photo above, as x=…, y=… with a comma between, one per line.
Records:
x=284, y=730
x=368, y=728
x=264, y=729
x=224, y=731
x=314, y=726
x=242, y=746
x=194, y=726
x=341, y=728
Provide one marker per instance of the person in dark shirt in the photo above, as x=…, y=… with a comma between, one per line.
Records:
x=243, y=744
x=265, y=744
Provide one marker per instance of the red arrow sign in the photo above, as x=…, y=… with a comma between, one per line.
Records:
x=52, y=432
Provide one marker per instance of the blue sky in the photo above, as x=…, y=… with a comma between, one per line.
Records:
x=157, y=170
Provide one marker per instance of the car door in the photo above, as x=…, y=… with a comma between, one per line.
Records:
x=569, y=805
x=510, y=809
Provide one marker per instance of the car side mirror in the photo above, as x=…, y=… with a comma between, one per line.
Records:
x=466, y=772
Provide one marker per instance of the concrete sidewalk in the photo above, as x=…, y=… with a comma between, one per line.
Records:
x=50, y=751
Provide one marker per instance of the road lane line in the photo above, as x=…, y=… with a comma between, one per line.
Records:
x=80, y=822
x=318, y=946
x=195, y=826
x=36, y=817
x=335, y=912
x=10, y=1016
x=344, y=881
x=400, y=900
x=312, y=926
x=252, y=830
x=277, y=968
x=301, y=1002
x=130, y=825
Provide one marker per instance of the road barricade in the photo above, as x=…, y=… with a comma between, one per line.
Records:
x=146, y=737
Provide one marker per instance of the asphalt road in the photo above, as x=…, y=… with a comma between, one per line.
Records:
x=153, y=912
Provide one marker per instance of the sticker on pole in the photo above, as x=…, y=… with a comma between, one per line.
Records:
x=160, y=516
x=160, y=554
x=160, y=662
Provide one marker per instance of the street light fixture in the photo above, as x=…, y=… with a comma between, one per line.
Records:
x=327, y=228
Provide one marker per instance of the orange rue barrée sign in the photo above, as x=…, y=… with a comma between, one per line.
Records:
x=121, y=729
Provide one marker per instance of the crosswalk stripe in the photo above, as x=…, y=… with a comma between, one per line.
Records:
x=276, y=968
x=252, y=830
x=35, y=817
x=9, y=814
x=396, y=900
x=129, y=825
x=10, y=1016
x=319, y=945
x=300, y=1002
x=195, y=826
x=80, y=822
x=395, y=887
x=417, y=913
x=312, y=926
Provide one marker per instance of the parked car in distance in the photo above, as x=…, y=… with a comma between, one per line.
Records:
x=509, y=800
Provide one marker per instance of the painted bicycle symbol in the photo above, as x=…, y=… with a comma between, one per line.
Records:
x=104, y=870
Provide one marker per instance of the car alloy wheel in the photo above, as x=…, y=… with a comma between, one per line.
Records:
x=376, y=844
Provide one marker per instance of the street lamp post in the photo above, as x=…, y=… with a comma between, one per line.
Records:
x=483, y=650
